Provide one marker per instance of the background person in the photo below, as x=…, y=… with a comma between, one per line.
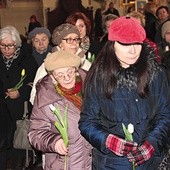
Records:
x=33, y=23
x=107, y=21
x=150, y=20
x=164, y=48
x=126, y=85
x=162, y=14
x=88, y=42
x=111, y=10
x=40, y=41
x=61, y=87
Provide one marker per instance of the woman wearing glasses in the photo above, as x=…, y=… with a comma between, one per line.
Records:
x=89, y=43
x=62, y=87
x=14, y=56
x=65, y=37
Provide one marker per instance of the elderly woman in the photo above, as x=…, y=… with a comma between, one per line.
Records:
x=40, y=38
x=14, y=57
x=62, y=88
x=65, y=37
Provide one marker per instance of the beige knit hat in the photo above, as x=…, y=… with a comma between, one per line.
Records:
x=61, y=59
x=62, y=31
x=165, y=28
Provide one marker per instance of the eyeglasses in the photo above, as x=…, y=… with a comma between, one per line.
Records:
x=9, y=46
x=71, y=40
x=70, y=72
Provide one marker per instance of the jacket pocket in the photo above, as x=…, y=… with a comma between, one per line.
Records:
x=117, y=164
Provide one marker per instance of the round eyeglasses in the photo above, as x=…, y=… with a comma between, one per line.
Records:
x=71, y=40
x=69, y=73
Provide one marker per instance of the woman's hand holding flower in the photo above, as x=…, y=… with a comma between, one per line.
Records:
x=60, y=147
x=119, y=146
x=12, y=94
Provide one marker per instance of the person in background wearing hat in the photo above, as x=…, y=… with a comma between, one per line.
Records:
x=62, y=87
x=40, y=38
x=65, y=37
x=164, y=46
x=33, y=23
x=125, y=85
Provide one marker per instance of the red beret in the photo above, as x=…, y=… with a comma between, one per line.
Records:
x=126, y=30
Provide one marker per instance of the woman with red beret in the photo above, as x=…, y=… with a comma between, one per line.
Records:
x=126, y=86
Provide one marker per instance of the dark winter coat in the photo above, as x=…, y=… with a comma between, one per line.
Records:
x=112, y=11
x=150, y=117
x=5, y=123
x=150, y=27
x=40, y=57
x=12, y=76
x=43, y=135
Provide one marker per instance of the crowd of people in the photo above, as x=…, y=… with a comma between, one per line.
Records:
x=78, y=109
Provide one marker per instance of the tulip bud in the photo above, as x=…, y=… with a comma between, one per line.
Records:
x=89, y=56
x=130, y=128
x=52, y=107
x=23, y=72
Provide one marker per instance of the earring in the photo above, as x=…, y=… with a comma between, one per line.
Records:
x=77, y=73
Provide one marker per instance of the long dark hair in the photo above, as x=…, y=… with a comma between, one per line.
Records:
x=106, y=66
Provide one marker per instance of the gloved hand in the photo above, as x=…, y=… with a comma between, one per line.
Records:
x=119, y=146
x=141, y=154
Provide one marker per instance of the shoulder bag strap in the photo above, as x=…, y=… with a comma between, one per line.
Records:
x=25, y=109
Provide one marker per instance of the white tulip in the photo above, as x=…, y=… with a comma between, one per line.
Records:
x=130, y=128
x=52, y=107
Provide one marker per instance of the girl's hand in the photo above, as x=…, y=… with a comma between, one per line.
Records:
x=60, y=147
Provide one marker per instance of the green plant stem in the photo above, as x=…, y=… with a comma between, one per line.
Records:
x=65, y=162
x=128, y=137
x=62, y=127
x=133, y=165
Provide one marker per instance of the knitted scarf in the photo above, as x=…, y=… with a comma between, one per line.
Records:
x=85, y=44
x=74, y=94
